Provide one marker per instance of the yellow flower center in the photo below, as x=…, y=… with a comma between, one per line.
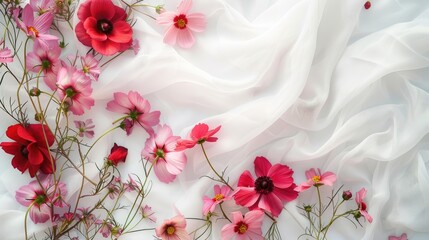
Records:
x=85, y=69
x=218, y=197
x=32, y=29
x=170, y=230
x=181, y=23
x=316, y=179
x=242, y=228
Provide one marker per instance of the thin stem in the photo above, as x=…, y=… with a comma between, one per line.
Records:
x=211, y=166
x=223, y=212
x=320, y=212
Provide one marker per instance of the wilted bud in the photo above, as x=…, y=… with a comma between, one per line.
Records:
x=347, y=195
x=38, y=117
x=307, y=208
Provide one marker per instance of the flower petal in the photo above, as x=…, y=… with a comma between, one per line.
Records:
x=185, y=38
x=121, y=33
x=246, y=196
x=101, y=9
x=271, y=203
x=184, y=6
x=281, y=175
x=196, y=22
x=262, y=166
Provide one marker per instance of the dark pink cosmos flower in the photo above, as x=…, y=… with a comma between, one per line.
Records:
x=74, y=88
x=247, y=227
x=199, y=134
x=316, y=179
x=46, y=60
x=269, y=191
x=117, y=154
x=161, y=147
x=103, y=27
x=173, y=229
x=402, y=237
x=181, y=24
x=221, y=194
x=360, y=195
x=137, y=110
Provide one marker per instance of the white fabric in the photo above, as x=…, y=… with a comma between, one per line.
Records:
x=306, y=83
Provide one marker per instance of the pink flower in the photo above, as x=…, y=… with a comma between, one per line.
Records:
x=269, y=191
x=316, y=179
x=135, y=46
x=6, y=55
x=75, y=89
x=103, y=27
x=160, y=150
x=199, y=134
x=402, y=237
x=37, y=28
x=243, y=228
x=181, y=25
x=360, y=195
x=173, y=229
x=40, y=200
x=85, y=128
x=131, y=185
x=147, y=212
x=221, y=194
x=105, y=229
x=90, y=66
x=45, y=60
x=136, y=108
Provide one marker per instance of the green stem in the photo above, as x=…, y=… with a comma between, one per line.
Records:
x=223, y=212
x=211, y=166
x=320, y=212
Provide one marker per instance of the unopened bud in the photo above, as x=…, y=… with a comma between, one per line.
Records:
x=34, y=92
x=307, y=208
x=347, y=195
x=159, y=9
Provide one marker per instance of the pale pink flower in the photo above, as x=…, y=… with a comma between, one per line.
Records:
x=147, y=212
x=37, y=28
x=46, y=60
x=402, y=237
x=88, y=218
x=316, y=179
x=173, y=229
x=6, y=55
x=131, y=185
x=105, y=229
x=181, y=24
x=244, y=228
x=220, y=194
x=360, y=195
x=160, y=150
x=135, y=46
x=41, y=199
x=200, y=133
x=90, y=66
x=273, y=187
x=136, y=108
x=75, y=87
x=85, y=128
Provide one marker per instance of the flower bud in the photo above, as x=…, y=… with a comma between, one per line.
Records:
x=117, y=154
x=34, y=92
x=38, y=117
x=159, y=9
x=307, y=208
x=347, y=195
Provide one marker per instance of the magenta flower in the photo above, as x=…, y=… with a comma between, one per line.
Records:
x=199, y=134
x=221, y=194
x=173, y=229
x=269, y=191
x=316, y=179
x=181, y=24
x=160, y=150
x=148, y=213
x=402, y=237
x=244, y=228
x=37, y=28
x=6, y=55
x=85, y=128
x=90, y=66
x=41, y=200
x=136, y=108
x=75, y=89
x=46, y=60
x=360, y=195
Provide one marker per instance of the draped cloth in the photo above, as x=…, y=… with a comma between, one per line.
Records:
x=311, y=84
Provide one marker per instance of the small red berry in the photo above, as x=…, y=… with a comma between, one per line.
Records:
x=367, y=5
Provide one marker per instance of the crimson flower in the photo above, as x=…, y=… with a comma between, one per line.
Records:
x=247, y=227
x=103, y=27
x=316, y=179
x=199, y=134
x=117, y=154
x=269, y=191
x=360, y=195
x=31, y=148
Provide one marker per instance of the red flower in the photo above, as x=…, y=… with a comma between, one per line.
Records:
x=31, y=148
x=103, y=27
x=269, y=191
x=117, y=154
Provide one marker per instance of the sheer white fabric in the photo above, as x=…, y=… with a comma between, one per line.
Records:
x=323, y=84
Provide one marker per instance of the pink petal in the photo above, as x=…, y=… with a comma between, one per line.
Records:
x=360, y=195
x=286, y=194
x=28, y=16
x=262, y=166
x=271, y=203
x=40, y=214
x=166, y=18
x=303, y=186
x=137, y=101
x=366, y=215
x=163, y=132
x=149, y=119
x=176, y=162
x=281, y=175
x=43, y=22
x=254, y=220
x=328, y=178
x=196, y=22
x=184, y=6
x=185, y=39
x=246, y=180
x=208, y=204
x=246, y=196
x=171, y=34
x=227, y=231
x=162, y=173
x=121, y=33
x=310, y=173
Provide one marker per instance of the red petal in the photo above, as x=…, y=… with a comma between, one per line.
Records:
x=102, y=9
x=84, y=10
x=286, y=194
x=106, y=47
x=35, y=157
x=42, y=133
x=246, y=180
x=262, y=166
x=90, y=26
x=120, y=14
x=81, y=34
x=271, y=203
x=246, y=196
x=121, y=33
x=20, y=162
x=13, y=148
x=281, y=175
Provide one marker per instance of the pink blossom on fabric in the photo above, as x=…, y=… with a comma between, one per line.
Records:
x=273, y=187
x=200, y=133
x=360, y=195
x=75, y=89
x=37, y=27
x=148, y=213
x=84, y=128
x=6, y=56
x=173, y=229
x=402, y=237
x=90, y=66
x=131, y=185
x=160, y=149
x=221, y=194
x=247, y=227
x=181, y=25
x=135, y=46
x=136, y=109
x=316, y=179
x=46, y=60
